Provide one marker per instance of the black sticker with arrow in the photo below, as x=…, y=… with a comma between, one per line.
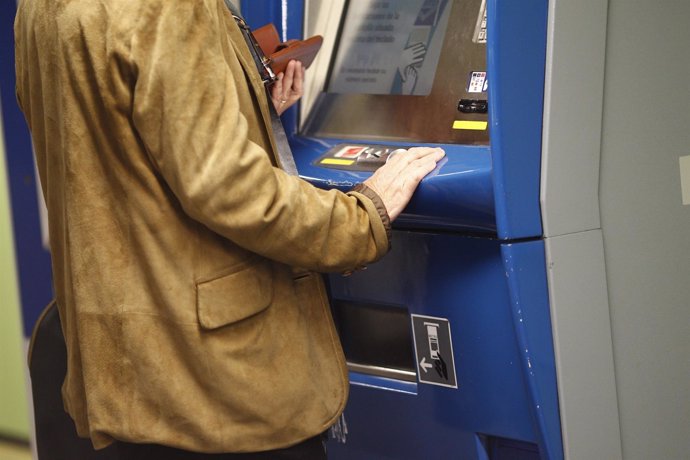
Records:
x=434, y=348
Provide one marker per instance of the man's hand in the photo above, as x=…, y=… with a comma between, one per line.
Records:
x=289, y=87
x=396, y=181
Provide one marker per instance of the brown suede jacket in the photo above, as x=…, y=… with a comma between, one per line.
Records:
x=173, y=234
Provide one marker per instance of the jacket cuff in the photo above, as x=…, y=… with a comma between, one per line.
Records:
x=380, y=208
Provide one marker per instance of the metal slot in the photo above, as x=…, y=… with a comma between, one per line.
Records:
x=387, y=372
x=377, y=339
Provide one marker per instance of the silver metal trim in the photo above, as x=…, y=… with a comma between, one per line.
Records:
x=387, y=372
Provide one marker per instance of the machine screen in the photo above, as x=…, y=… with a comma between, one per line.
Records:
x=405, y=71
x=390, y=47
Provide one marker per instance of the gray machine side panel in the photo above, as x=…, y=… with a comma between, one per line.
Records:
x=572, y=116
x=582, y=344
x=645, y=224
x=570, y=214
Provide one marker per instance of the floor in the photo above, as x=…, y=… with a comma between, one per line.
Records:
x=14, y=451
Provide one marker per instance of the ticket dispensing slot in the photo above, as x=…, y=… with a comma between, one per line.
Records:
x=376, y=339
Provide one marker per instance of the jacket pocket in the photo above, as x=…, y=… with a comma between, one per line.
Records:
x=236, y=296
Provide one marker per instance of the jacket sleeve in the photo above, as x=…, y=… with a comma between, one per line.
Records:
x=187, y=112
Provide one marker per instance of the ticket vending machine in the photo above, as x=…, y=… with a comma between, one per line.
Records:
x=448, y=338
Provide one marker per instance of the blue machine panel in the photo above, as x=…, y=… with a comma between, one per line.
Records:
x=525, y=271
x=457, y=195
x=503, y=358
x=490, y=286
x=516, y=55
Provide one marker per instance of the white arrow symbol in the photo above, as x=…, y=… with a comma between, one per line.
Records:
x=425, y=366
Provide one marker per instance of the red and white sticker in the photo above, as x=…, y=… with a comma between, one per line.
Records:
x=349, y=151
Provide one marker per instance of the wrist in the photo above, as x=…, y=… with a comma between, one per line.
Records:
x=375, y=197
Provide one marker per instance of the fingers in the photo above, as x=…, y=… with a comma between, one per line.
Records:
x=417, y=169
x=293, y=81
x=298, y=82
x=418, y=50
x=396, y=181
x=410, y=72
x=418, y=47
x=403, y=159
x=289, y=86
x=288, y=79
x=399, y=164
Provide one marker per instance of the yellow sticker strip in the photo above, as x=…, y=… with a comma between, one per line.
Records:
x=473, y=125
x=336, y=161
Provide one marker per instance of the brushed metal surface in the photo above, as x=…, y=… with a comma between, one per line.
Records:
x=386, y=372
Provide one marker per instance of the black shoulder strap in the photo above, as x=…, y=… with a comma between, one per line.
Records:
x=284, y=154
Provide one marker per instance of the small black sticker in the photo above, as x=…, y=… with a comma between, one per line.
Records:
x=434, y=348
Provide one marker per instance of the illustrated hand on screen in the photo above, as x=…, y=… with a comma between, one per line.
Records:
x=289, y=87
x=411, y=59
x=396, y=181
x=409, y=80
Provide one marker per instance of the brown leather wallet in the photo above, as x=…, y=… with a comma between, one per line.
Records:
x=280, y=53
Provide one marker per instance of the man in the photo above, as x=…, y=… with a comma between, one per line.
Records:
x=184, y=260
